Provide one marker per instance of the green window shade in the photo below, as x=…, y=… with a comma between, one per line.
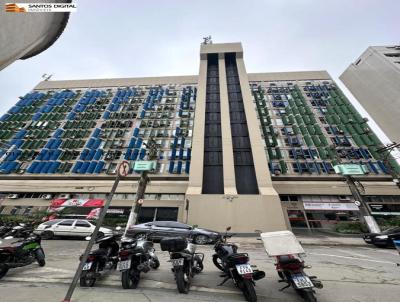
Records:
x=285, y=120
x=348, y=128
x=303, y=130
x=296, y=110
x=330, y=119
x=296, y=129
x=270, y=155
x=374, y=139
x=367, y=141
x=332, y=101
x=317, y=129
x=358, y=129
x=358, y=140
x=298, y=102
x=291, y=119
x=330, y=110
x=298, y=119
x=308, y=110
x=323, y=140
x=307, y=120
x=278, y=153
x=288, y=110
x=316, y=140
x=308, y=140
x=322, y=153
x=337, y=110
x=291, y=103
x=311, y=129
x=283, y=166
x=336, y=120
x=302, y=110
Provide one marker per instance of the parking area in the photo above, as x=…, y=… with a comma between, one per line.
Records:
x=364, y=274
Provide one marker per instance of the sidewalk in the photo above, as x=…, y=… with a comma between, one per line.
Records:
x=311, y=240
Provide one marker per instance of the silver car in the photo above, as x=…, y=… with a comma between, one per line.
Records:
x=68, y=228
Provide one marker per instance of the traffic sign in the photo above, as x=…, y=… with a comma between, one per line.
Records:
x=351, y=169
x=357, y=203
x=123, y=169
x=140, y=201
x=145, y=165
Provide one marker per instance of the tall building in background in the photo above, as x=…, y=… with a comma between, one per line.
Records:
x=374, y=79
x=24, y=35
x=247, y=150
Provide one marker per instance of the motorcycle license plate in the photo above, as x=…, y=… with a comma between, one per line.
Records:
x=177, y=262
x=302, y=281
x=87, y=266
x=124, y=265
x=244, y=269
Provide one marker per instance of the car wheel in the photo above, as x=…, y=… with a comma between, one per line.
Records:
x=47, y=235
x=139, y=236
x=201, y=239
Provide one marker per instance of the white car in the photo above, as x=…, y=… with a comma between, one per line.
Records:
x=69, y=227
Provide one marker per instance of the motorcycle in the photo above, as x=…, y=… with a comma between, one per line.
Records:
x=22, y=251
x=136, y=256
x=286, y=249
x=236, y=266
x=100, y=261
x=186, y=263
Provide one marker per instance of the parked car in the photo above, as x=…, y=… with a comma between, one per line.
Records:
x=162, y=229
x=70, y=228
x=383, y=239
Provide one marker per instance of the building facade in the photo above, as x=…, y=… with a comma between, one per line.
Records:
x=251, y=151
x=374, y=79
x=24, y=35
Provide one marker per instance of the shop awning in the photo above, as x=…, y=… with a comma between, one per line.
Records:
x=94, y=203
x=330, y=206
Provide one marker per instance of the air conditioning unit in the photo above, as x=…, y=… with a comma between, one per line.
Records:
x=344, y=198
x=365, y=119
x=46, y=196
x=64, y=196
x=12, y=196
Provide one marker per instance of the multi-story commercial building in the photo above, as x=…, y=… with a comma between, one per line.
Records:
x=374, y=79
x=241, y=149
x=24, y=35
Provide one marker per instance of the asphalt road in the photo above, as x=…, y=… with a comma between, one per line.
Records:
x=363, y=274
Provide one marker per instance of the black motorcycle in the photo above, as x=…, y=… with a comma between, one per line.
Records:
x=185, y=261
x=236, y=266
x=291, y=271
x=100, y=261
x=136, y=256
x=21, y=251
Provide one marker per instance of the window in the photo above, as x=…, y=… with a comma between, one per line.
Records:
x=66, y=222
x=393, y=55
x=82, y=223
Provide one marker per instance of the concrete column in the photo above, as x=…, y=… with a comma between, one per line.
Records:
x=227, y=148
x=260, y=159
x=196, y=169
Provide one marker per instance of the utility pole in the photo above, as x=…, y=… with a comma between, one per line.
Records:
x=364, y=213
x=143, y=181
x=93, y=237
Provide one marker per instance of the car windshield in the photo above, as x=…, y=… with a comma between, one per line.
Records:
x=51, y=222
x=391, y=230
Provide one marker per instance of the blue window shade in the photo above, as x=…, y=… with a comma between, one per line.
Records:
x=83, y=155
x=181, y=154
x=55, y=154
x=56, y=143
x=84, y=167
x=58, y=133
x=136, y=132
x=365, y=153
x=135, y=154
x=99, y=167
x=171, y=167
x=47, y=155
x=128, y=154
x=46, y=167
x=177, y=132
x=142, y=154
x=132, y=143
x=97, y=143
x=91, y=167
x=106, y=115
x=38, y=167
x=142, y=114
x=77, y=167
x=90, y=143
x=54, y=166
x=49, y=143
x=20, y=134
x=139, y=143
x=96, y=132
x=173, y=154
x=98, y=154
x=372, y=167
x=187, y=168
x=71, y=116
x=179, y=168
x=383, y=167
x=32, y=167
x=90, y=154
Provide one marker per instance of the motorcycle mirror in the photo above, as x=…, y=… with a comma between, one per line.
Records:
x=118, y=228
x=194, y=226
x=87, y=238
x=228, y=228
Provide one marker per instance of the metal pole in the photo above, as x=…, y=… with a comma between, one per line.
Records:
x=91, y=241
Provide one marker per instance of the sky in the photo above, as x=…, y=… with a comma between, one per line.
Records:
x=106, y=39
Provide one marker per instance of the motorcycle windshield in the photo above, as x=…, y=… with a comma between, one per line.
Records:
x=9, y=242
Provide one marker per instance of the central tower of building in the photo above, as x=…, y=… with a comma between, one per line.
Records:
x=228, y=184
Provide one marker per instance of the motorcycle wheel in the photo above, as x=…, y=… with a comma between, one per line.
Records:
x=47, y=235
x=39, y=255
x=200, y=265
x=182, y=284
x=84, y=281
x=3, y=271
x=217, y=262
x=248, y=290
x=156, y=264
x=130, y=278
x=308, y=296
x=281, y=275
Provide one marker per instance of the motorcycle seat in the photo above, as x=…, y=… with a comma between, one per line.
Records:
x=286, y=261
